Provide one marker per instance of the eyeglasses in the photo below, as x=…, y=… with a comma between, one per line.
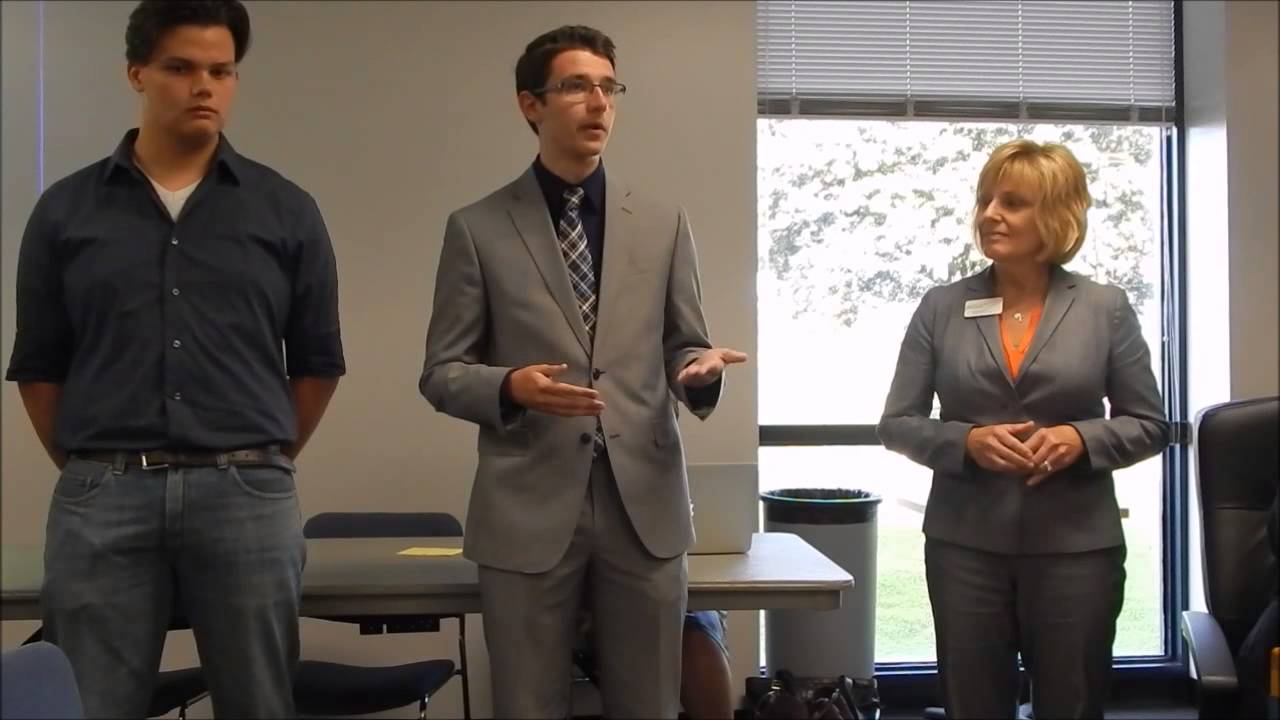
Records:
x=576, y=88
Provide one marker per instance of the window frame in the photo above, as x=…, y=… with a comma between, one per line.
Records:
x=911, y=683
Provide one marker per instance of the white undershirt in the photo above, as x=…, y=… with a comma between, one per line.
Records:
x=173, y=199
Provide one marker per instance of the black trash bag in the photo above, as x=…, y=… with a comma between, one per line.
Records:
x=787, y=698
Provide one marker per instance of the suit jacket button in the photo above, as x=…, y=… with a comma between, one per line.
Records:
x=596, y=373
x=584, y=438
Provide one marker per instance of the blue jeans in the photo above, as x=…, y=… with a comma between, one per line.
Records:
x=710, y=623
x=125, y=549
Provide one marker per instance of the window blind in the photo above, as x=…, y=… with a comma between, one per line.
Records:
x=1109, y=60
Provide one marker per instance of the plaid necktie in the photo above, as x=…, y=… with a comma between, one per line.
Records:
x=577, y=257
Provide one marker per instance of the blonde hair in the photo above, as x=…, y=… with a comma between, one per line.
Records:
x=1055, y=178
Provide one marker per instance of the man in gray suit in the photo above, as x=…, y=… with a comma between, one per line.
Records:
x=567, y=321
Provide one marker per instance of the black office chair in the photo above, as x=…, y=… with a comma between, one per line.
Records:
x=334, y=688
x=174, y=690
x=1237, y=468
x=177, y=689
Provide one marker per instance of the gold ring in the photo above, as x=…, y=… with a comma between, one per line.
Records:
x=1048, y=467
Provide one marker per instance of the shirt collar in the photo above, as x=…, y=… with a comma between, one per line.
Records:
x=225, y=158
x=553, y=186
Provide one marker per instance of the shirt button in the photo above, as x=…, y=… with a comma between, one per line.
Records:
x=584, y=438
x=177, y=396
x=177, y=344
x=176, y=292
x=173, y=240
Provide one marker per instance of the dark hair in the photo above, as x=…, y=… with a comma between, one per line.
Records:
x=534, y=65
x=153, y=18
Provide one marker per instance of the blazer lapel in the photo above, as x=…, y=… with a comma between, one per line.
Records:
x=618, y=217
x=1062, y=293
x=533, y=222
x=982, y=286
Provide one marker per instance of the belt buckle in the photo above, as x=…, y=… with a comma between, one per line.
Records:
x=149, y=465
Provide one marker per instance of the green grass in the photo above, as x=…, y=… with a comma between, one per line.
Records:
x=904, y=626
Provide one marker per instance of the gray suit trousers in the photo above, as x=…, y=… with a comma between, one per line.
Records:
x=637, y=603
x=1058, y=610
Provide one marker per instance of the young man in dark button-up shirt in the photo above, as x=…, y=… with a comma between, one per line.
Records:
x=177, y=343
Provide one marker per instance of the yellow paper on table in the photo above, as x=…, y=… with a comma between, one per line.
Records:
x=431, y=551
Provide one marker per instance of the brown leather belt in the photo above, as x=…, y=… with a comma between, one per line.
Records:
x=156, y=459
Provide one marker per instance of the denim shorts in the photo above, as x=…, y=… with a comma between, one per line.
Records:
x=710, y=623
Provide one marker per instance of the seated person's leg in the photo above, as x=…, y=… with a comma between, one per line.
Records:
x=1253, y=660
x=706, y=682
x=1253, y=663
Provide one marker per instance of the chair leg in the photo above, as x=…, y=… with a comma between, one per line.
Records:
x=462, y=662
x=422, y=707
x=182, y=711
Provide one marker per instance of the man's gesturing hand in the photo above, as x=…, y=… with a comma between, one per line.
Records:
x=535, y=387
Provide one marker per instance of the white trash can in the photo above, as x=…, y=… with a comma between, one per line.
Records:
x=841, y=524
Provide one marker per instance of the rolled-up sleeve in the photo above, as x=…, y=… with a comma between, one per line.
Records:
x=313, y=337
x=44, y=339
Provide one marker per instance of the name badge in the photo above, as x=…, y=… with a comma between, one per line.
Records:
x=983, y=307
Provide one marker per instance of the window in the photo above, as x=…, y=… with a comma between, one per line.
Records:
x=876, y=118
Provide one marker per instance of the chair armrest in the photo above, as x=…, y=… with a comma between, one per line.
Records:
x=1215, y=667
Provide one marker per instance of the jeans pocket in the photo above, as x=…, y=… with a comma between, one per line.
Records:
x=263, y=481
x=80, y=480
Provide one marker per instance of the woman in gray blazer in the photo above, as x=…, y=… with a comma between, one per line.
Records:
x=1024, y=551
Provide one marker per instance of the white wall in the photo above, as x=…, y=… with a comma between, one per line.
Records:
x=1253, y=159
x=392, y=114
x=1232, y=201
x=1208, y=286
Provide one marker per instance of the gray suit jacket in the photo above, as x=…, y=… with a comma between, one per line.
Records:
x=503, y=301
x=1087, y=346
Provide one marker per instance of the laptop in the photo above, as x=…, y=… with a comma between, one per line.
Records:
x=726, y=508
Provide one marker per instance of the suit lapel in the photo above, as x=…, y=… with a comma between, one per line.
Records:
x=1062, y=293
x=533, y=222
x=981, y=286
x=618, y=218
